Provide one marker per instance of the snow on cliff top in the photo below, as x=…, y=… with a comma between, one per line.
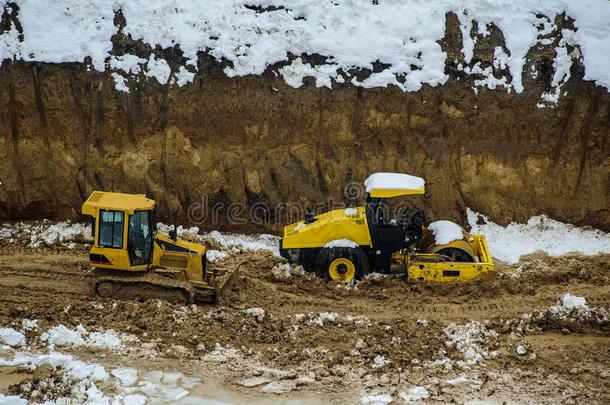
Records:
x=350, y=34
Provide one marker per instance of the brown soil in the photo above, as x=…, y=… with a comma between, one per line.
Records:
x=66, y=131
x=375, y=317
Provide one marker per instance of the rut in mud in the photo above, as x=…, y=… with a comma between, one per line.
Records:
x=373, y=336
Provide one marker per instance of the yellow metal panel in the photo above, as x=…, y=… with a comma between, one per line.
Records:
x=447, y=271
x=332, y=225
x=194, y=268
x=118, y=257
x=386, y=193
x=116, y=201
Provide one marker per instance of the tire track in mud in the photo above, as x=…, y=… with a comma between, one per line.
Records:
x=31, y=275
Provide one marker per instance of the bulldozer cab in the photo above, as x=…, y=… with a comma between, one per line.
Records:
x=123, y=226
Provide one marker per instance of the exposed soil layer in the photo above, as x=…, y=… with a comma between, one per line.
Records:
x=65, y=131
x=381, y=335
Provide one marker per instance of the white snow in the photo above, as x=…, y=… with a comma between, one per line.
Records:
x=279, y=387
x=393, y=181
x=127, y=376
x=238, y=243
x=256, y=312
x=119, y=82
x=12, y=400
x=230, y=242
x=76, y=368
x=66, y=31
x=539, y=233
x=61, y=335
x=470, y=340
x=343, y=243
x=214, y=256
x=571, y=301
x=404, y=35
x=45, y=233
x=127, y=63
x=11, y=337
x=415, y=394
x=29, y=324
x=445, y=232
x=158, y=68
x=109, y=339
x=380, y=361
x=183, y=76
x=376, y=399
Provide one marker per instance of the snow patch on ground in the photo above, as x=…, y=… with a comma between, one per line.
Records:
x=230, y=242
x=45, y=233
x=110, y=339
x=415, y=394
x=214, y=256
x=570, y=311
x=539, y=233
x=376, y=399
x=238, y=243
x=11, y=337
x=471, y=340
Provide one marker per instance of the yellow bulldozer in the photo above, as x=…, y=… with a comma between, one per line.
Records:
x=347, y=244
x=130, y=259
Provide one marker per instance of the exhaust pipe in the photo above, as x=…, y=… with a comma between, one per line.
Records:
x=174, y=233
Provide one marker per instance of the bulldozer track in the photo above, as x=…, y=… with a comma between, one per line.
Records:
x=149, y=279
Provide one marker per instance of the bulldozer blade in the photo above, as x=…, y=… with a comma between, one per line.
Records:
x=228, y=283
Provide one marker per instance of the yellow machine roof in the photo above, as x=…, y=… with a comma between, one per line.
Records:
x=116, y=201
x=382, y=193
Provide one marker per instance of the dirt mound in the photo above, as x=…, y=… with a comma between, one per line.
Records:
x=299, y=333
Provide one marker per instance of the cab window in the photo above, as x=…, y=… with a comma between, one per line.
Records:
x=111, y=229
x=139, y=239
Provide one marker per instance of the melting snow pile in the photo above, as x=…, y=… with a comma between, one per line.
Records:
x=403, y=36
x=445, y=232
x=45, y=233
x=11, y=337
x=70, y=380
x=472, y=341
x=570, y=312
x=61, y=335
x=539, y=233
x=229, y=242
x=393, y=181
x=237, y=243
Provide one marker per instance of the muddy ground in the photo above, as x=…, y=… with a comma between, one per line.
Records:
x=494, y=339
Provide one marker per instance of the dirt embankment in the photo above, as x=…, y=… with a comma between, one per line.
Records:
x=501, y=338
x=66, y=131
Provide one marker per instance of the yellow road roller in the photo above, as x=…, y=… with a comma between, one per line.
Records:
x=347, y=244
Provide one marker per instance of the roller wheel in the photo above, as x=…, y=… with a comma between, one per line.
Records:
x=456, y=255
x=341, y=265
x=104, y=289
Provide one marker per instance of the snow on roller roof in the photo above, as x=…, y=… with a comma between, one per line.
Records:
x=393, y=181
